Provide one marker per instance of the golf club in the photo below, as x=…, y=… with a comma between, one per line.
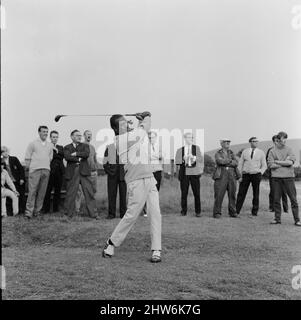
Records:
x=59, y=116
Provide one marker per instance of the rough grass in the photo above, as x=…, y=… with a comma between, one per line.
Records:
x=52, y=257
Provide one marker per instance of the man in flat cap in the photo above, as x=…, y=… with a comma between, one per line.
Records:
x=225, y=177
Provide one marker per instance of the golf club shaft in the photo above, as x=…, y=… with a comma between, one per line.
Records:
x=58, y=117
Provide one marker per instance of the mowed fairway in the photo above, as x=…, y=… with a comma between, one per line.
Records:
x=203, y=258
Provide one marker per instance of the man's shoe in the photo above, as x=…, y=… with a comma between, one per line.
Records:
x=28, y=215
x=233, y=215
x=198, y=215
x=275, y=222
x=298, y=224
x=108, y=250
x=156, y=256
x=110, y=217
x=97, y=217
x=183, y=213
x=217, y=216
x=254, y=214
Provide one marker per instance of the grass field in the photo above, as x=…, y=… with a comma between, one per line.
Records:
x=52, y=257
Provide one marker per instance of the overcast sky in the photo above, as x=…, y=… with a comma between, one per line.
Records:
x=231, y=67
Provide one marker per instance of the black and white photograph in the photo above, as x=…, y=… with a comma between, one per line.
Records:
x=150, y=153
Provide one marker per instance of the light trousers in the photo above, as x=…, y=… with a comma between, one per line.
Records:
x=140, y=192
x=7, y=193
x=37, y=187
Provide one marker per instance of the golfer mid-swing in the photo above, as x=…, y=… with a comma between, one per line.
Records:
x=132, y=148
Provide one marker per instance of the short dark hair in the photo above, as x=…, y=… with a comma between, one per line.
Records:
x=52, y=132
x=252, y=138
x=74, y=131
x=282, y=134
x=274, y=137
x=3, y=162
x=42, y=127
x=114, y=122
x=87, y=131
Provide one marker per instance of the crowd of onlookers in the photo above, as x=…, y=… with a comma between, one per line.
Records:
x=46, y=161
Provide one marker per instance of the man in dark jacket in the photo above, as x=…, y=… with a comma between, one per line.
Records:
x=78, y=172
x=17, y=174
x=115, y=172
x=57, y=171
x=225, y=177
x=190, y=166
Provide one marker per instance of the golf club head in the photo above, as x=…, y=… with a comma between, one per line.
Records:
x=58, y=117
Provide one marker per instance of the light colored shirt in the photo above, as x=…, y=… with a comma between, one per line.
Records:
x=39, y=155
x=281, y=154
x=132, y=148
x=256, y=164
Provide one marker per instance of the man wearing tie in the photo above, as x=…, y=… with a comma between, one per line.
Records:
x=190, y=163
x=252, y=166
x=78, y=172
x=57, y=171
x=17, y=174
x=115, y=172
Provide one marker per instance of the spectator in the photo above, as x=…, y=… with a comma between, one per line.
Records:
x=252, y=165
x=280, y=161
x=10, y=192
x=78, y=172
x=115, y=180
x=17, y=174
x=57, y=171
x=38, y=158
x=225, y=177
x=271, y=194
x=191, y=165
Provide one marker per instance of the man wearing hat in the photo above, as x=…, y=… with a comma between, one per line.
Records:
x=252, y=165
x=225, y=177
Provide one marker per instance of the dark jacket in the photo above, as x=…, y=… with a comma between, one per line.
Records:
x=16, y=168
x=57, y=160
x=111, y=163
x=226, y=161
x=196, y=168
x=81, y=159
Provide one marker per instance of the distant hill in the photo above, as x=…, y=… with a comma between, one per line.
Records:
x=295, y=144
